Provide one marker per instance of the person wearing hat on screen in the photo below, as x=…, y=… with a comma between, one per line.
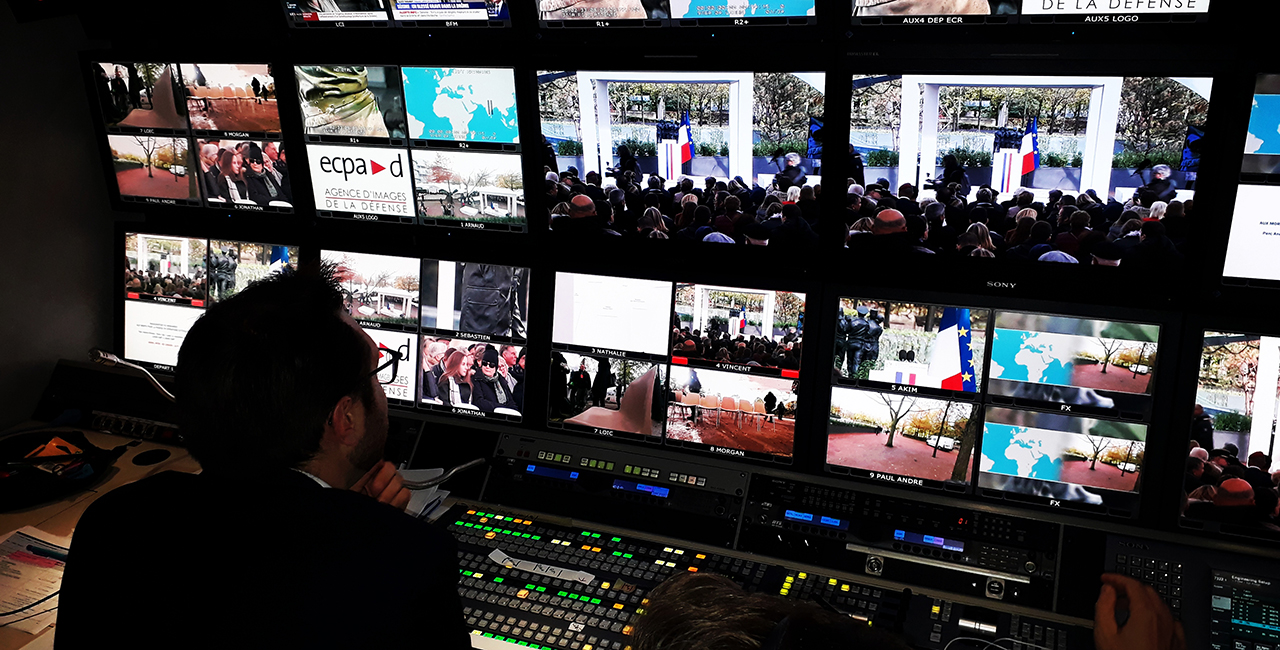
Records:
x=262, y=184
x=489, y=391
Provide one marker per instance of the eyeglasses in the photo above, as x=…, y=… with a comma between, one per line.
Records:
x=488, y=364
x=394, y=357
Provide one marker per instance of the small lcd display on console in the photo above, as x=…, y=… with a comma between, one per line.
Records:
x=1244, y=612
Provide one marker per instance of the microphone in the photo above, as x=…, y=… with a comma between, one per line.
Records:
x=102, y=357
x=432, y=482
x=777, y=154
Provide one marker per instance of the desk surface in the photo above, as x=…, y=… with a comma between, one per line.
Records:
x=60, y=517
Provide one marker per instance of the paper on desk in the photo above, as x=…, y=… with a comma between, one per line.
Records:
x=420, y=499
x=31, y=565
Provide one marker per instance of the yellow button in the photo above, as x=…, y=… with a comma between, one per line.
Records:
x=831, y=581
x=604, y=585
x=484, y=520
x=587, y=547
x=490, y=535
x=702, y=556
x=471, y=512
x=595, y=549
x=627, y=630
x=803, y=576
x=617, y=605
x=645, y=602
x=523, y=593
x=844, y=587
x=784, y=591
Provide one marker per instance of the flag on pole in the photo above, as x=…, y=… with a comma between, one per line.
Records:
x=1031, y=148
x=685, y=139
x=952, y=357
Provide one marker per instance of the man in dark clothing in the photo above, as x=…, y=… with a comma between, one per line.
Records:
x=580, y=385
x=1202, y=428
x=856, y=172
x=289, y=426
x=603, y=382
x=494, y=300
x=1258, y=474
x=592, y=188
x=549, y=156
x=1154, y=249
x=794, y=232
x=792, y=174
x=1161, y=186
x=582, y=219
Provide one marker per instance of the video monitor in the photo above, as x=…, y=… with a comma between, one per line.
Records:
x=623, y=325
x=401, y=387
x=754, y=331
x=1236, y=411
x=932, y=12
x=1074, y=365
x=1118, y=156
x=379, y=291
x=902, y=438
x=1244, y=610
x=451, y=13
x=1115, y=12
x=1254, y=232
x=913, y=348
x=1062, y=460
x=732, y=413
x=336, y=13
x=465, y=134
x=473, y=379
x=688, y=169
x=147, y=131
x=169, y=281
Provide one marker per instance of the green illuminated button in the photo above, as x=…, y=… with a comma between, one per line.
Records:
x=562, y=594
x=595, y=601
x=608, y=467
x=617, y=539
x=627, y=469
x=497, y=579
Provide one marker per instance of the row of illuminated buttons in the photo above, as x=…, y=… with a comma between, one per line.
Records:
x=595, y=464
x=642, y=471
x=686, y=478
x=555, y=458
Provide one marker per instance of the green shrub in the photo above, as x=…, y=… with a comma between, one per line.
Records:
x=569, y=148
x=1131, y=159
x=765, y=148
x=1232, y=422
x=881, y=158
x=706, y=150
x=724, y=149
x=638, y=148
x=969, y=157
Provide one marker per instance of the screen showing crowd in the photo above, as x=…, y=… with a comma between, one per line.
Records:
x=714, y=368
x=1076, y=170
x=195, y=134
x=674, y=165
x=436, y=146
x=1228, y=478
x=169, y=280
x=1254, y=229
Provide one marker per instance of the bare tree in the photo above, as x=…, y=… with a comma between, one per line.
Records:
x=149, y=146
x=897, y=412
x=1109, y=347
x=960, y=472
x=941, y=427
x=1099, y=446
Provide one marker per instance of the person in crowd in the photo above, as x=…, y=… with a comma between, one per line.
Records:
x=232, y=187
x=455, y=387
x=792, y=175
x=489, y=390
x=262, y=184
x=209, y=173
x=604, y=380
x=954, y=172
x=580, y=386
x=433, y=355
x=1162, y=186
x=1202, y=427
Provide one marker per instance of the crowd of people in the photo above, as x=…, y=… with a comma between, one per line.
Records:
x=1220, y=486
x=169, y=285
x=479, y=376
x=722, y=347
x=1150, y=229
x=246, y=172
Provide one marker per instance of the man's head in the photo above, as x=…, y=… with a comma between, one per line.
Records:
x=258, y=394
x=1152, y=230
x=793, y=159
x=433, y=354
x=510, y=355
x=1162, y=171
x=581, y=206
x=593, y=178
x=888, y=222
x=1195, y=466
x=489, y=362
x=1231, y=449
x=1234, y=492
x=1260, y=460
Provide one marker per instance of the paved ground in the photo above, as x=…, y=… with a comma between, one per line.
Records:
x=162, y=184
x=1104, y=476
x=907, y=457
x=777, y=437
x=1121, y=379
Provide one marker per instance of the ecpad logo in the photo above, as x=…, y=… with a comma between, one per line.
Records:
x=348, y=166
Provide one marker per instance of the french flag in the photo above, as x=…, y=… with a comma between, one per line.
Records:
x=1031, y=148
x=952, y=358
x=685, y=140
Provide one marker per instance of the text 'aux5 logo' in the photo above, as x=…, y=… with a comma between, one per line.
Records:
x=360, y=167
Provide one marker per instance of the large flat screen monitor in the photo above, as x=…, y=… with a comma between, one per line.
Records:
x=194, y=134
x=705, y=367
x=436, y=146
x=1255, y=231
x=1088, y=169
x=170, y=280
x=709, y=157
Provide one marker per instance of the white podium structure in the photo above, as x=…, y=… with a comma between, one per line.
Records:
x=920, y=106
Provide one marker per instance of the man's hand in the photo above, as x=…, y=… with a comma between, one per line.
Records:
x=383, y=483
x=1150, y=626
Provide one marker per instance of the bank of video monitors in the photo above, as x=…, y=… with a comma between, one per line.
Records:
x=194, y=134
x=436, y=146
x=706, y=367
x=1104, y=188
x=474, y=319
x=1255, y=232
x=1228, y=474
x=1008, y=404
x=169, y=281
x=1002, y=12
x=459, y=328
x=337, y=13
x=697, y=175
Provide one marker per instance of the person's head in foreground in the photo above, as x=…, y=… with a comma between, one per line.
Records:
x=259, y=394
x=701, y=611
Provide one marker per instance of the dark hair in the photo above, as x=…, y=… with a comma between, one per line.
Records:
x=702, y=611
x=1194, y=464
x=255, y=390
